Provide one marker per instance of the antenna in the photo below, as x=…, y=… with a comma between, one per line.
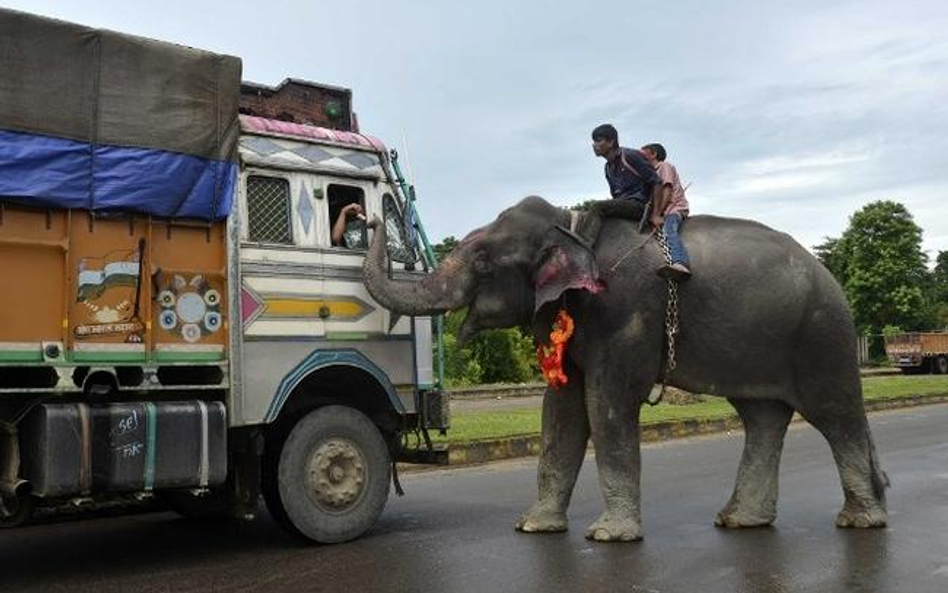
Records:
x=411, y=174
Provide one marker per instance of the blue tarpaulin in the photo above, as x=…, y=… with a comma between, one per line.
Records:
x=59, y=173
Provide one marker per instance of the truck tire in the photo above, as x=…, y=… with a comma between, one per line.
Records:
x=333, y=475
x=16, y=510
x=270, y=485
x=940, y=365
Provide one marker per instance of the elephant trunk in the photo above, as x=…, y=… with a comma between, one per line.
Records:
x=447, y=288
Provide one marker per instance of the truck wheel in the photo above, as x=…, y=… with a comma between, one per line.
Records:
x=270, y=486
x=15, y=510
x=333, y=475
x=941, y=365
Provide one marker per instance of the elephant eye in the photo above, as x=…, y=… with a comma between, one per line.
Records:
x=482, y=263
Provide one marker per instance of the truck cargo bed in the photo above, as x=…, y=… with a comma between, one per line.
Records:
x=82, y=291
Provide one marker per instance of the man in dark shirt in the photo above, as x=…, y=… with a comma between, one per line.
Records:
x=628, y=172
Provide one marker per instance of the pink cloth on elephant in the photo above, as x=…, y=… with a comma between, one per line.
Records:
x=669, y=176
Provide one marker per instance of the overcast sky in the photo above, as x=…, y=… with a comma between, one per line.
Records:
x=794, y=114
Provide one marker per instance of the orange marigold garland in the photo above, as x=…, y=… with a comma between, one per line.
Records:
x=551, y=357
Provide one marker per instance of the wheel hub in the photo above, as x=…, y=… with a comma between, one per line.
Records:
x=336, y=475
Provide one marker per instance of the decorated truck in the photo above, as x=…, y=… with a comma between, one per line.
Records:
x=177, y=321
x=918, y=352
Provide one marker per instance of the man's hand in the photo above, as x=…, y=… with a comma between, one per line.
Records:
x=657, y=221
x=354, y=210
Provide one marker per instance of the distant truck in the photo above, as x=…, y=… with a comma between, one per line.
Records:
x=175, y=320
x=918, y=352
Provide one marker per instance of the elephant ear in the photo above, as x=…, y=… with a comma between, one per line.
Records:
x=566, y=262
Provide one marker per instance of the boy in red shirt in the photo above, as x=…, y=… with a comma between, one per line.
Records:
x=670, y=213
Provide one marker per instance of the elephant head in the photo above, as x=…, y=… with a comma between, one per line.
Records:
x=503, y=272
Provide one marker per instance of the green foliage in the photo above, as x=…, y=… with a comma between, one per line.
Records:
x=831, y=254
x=445, y=247
x=891, y=330
x=506, y=355
x=584, y=205
x=880, y=264
x=461, y=368
x=939, y=292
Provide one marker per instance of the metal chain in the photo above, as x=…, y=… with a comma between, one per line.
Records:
x=671, y=308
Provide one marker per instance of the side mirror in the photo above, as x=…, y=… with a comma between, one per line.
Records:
x=399, y=248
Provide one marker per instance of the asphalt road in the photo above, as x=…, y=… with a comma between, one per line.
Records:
x=453, y=533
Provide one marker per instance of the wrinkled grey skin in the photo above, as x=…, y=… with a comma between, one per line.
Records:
x=762, y=324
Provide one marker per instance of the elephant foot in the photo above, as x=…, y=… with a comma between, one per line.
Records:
x=612, y=528
x=862, y=516
x=737, y=516
x=738, y=520
x=539, y=520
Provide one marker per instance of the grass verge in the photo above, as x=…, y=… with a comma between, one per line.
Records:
x=505, y=423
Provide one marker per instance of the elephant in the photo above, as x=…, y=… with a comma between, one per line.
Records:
x=762, y=323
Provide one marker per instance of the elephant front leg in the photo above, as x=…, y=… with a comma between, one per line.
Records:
x=565, y=431
x=614, y=422
x=754, y=502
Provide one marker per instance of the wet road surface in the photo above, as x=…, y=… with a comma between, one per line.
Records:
x=453, y=533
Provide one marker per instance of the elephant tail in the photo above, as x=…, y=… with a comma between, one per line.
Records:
x=880, y=481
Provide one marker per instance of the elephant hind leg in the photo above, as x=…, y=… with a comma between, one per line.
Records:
x=754, y=501
x=862, y=478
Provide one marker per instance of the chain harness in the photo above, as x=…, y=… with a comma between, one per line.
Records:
x=671, y=322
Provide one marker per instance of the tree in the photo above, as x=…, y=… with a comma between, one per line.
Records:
x=939, y=291
x=940, y=276
x=584, y=206
x=830, y=253
x=880, y=264
x=445, y=247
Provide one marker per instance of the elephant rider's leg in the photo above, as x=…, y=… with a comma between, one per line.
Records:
x=613, y=411
x=565, y=435
x=754, y=501
x=863, y=481
x=600, y=210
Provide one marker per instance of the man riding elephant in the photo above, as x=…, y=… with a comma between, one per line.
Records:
x=764, y=325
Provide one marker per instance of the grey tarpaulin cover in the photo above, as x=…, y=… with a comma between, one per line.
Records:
x=95, y=119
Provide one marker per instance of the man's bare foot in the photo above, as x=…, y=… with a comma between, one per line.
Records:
x=676, y=271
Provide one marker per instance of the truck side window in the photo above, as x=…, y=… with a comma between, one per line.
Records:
x=399, y=248
x=269, y=211
x=339, y=197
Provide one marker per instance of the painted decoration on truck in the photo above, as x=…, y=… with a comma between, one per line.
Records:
x=279, y=306
x=305, y=209
x=251, y=305
x=300, y=152
x=190, y=308
x=107, y=288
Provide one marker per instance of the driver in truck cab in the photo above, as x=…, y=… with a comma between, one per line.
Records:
x=348, y=230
